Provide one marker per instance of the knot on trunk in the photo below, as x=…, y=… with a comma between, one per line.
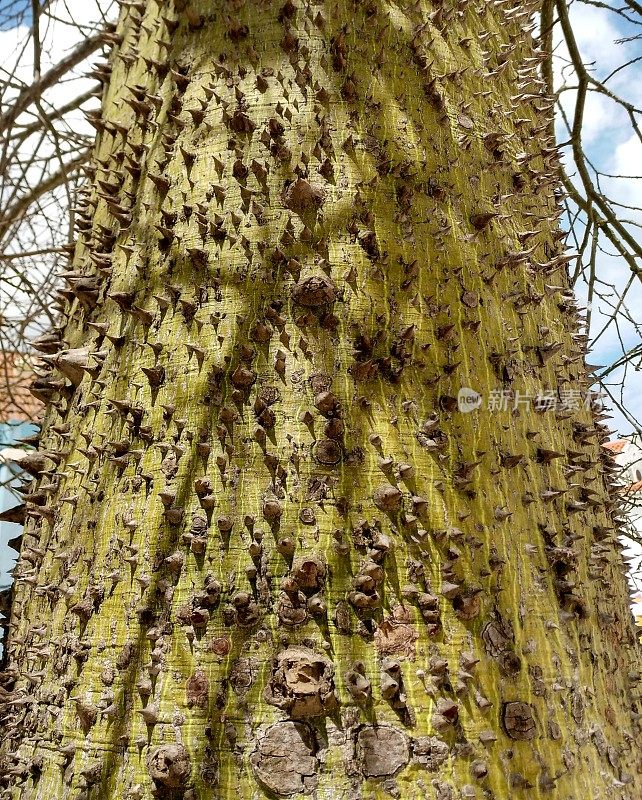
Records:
x=301, y=196
x=381, y=750
x=328, y=452
x=169, y=766
x=430, y=752
x=284, y=760
x=387, y=498
x=519, y=720
x=309, y=573
x=314, y=292
x=499, y=641
x=302, y=683
x=358, y=684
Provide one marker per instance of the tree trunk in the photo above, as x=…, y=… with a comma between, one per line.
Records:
x=266, y=552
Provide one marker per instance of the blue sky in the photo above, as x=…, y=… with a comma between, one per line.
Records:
x=14, y=12
x=612, y=146
x=8, y=435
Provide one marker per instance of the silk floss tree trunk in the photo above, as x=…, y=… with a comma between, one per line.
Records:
x=267, y=553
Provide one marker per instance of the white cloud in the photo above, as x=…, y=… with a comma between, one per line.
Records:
x=595, y=34
x=627, y=158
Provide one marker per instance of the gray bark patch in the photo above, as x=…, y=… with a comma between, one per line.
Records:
x=430, y=752
x=499, y=640
x=314, y=292
x=519, y=720
x=169, y=766
x=381, y=750
x=302, y=683
x=284, y=760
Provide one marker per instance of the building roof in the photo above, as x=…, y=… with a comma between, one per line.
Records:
x=617, y=446
x=17, y=404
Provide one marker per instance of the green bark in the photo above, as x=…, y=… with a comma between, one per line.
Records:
x=265, y=551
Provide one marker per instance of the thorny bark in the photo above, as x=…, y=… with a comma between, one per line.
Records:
x=265, y=552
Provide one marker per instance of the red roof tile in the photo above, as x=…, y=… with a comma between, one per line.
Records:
x=616, y=447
